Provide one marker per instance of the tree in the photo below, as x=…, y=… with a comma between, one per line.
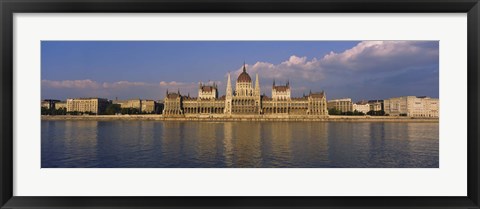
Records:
x=73, y=113
x=355, y=112
x=130, y=111
x=61, y=111
x=333, y=111
x=376, y=113
x=45, y=111
x=113, y=109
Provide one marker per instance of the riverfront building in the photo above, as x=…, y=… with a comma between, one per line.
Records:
x=245, y=99
x=60, y=105
x=361, y=106
x=143, y=106
x=87, y=105
x=130, y=103
x=49, y=103
x=376, y=105
x=343, y=105
x=148, y=106
x=413, y=106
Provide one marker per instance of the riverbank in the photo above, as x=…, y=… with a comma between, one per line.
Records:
x=332, y=118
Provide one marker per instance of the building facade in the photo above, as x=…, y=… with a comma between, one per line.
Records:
x=49, y=103
x=148, y=106
x=87, y=105
x=343, y=105
x=361, y=106
x=245, y=99
x=412, y=106
x=130, y=103
x=142, y=105
x=173, y=104
x=60, y=105
x=376, y=105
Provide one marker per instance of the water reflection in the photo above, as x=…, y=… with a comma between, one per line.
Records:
x=156, y=144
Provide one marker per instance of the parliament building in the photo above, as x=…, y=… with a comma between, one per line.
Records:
x=245, y=100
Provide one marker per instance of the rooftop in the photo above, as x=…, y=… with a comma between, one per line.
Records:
x=244, y=77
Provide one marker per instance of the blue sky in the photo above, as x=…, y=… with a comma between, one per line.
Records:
x=145, y=69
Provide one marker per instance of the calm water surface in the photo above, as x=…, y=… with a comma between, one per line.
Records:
x=159, y=144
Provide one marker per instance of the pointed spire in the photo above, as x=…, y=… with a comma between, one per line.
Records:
x=178, y=91
x=167, y=91
x=244, y=69
x=228, y=92
x=288, y=82
x=257, y=85
x=273, y=83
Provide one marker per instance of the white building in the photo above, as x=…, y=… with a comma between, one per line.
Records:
x=207, y=91
x=344, y=105
x=376, y=105
x=87, y=105
x=281, y=92
x=361, y=107
x=412, y=106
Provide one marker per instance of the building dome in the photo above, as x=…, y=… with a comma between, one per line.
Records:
x=244, y=77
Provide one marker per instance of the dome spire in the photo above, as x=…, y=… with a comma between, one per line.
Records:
x=244, y=77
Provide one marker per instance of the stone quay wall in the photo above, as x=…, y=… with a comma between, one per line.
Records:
x=222, y=117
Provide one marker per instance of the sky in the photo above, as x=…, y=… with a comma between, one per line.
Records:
x=361, y=70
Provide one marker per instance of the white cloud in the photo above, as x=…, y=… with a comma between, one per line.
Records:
x=123, y=89
x=294, y=67
x=77, y=84
x=381, y=55
x=125, y=84
x=90, y=84
x=365, y=56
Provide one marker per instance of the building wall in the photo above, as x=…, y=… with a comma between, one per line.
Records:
x=376, y=105
x=131, y=103
x=60, y=105
x=173, y=105
x=207, y=92
x=317, y=105
x=195, y=106
x=93, y=105
x=361, y=108
x=281, y=95
x=344, y=105
x=49, y=103
x=412, y=106
x=245, y=100
x=148, y=106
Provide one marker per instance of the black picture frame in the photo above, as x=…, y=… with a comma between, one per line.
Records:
x=9, y=7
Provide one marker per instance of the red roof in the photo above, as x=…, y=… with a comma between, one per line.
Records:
x=281, y=88
x=207, y=88
x=244, y=77
x=318, y=95
x=173, y=95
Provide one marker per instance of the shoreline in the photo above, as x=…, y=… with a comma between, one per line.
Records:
x=332, y=118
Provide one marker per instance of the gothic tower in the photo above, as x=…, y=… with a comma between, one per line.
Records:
x=257, y=95
x=228, y=97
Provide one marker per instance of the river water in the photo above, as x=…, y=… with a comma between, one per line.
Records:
x=190, y=144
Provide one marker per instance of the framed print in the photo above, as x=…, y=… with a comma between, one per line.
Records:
x=194, y=104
